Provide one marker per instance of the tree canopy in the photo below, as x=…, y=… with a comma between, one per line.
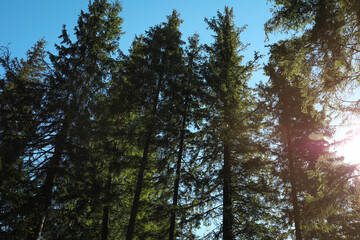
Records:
x=170, y=138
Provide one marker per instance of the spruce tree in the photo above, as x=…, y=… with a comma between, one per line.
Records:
x=232, y=125
x=80, y=72
x=301, y=152
x=190, y=88
x=21, y=137
x=157, y=70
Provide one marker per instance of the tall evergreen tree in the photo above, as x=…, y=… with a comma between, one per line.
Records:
x=158, y=68
x=80, y=72
x=188, y=107
x=21, y=138
x=232, y=128
x=328, y=46
x=300, y=150
x=114, y=143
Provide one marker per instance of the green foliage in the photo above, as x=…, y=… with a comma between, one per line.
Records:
x=328, y=43
x=232, y=126
x=21, y=95
x=323, y=53
x=105, y=145
x=301, y=153
x=79, y=77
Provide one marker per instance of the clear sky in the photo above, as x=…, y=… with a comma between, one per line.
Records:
x=23, y=22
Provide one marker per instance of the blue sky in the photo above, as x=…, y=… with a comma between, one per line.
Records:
x=24, y=22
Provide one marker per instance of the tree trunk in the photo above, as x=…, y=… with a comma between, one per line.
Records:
x=45, y=196
x=177, y=177
x=227, y=204
x=143, y=163
x=106, y=210
x=294, y=199
x=140, y=178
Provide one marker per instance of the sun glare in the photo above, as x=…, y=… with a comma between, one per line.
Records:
x=351, y=149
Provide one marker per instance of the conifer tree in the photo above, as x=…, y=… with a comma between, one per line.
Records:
x=80, y=72
x=188, y=107
x=21, y=138
x=325, y=48
x=301, y=151
x=231, y=133
x=158, y=68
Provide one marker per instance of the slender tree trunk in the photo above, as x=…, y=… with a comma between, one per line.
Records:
x=140, y=178
x=106, y=210
x=294, y=199
x=227, y=204
x=143, y=163
x=226, y=171
x=177, y=177
x=45, y=196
